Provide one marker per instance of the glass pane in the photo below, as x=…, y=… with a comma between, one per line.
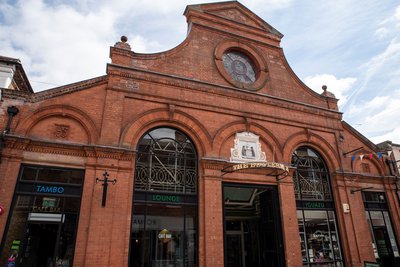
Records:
x=191, y=235
x=311, y=177
x=166, y=162
x=77, y=176
x=302, y=236
x=334, y=235
x=377, y=218
x=377, y=197
x=391, y=234
x=160, y=237
x=317, y=235
x=321, y=239
x=45, y=204
x=37, y=222
x=53, y=175
x=28, y=174
x=252, y=231
x=15, y=235
x=64, y=254
x=372, y=235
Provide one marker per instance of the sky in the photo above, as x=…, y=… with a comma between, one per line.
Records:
x=351, y=46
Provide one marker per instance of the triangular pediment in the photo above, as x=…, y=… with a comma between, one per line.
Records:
x=237, y=15
x=234, y=11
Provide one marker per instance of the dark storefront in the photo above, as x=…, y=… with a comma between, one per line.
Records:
x=384, y=242
x=42, y=227
x=164, y=218
x=253, y=234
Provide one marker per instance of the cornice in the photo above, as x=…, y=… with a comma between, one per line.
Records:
x=357, y=175
x=227, y=91
x=58, y=91
x=78, y=150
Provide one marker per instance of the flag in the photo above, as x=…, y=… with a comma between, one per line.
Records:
x=353, y=158
x=370, y=156
x=361, y=157
x=379, y=155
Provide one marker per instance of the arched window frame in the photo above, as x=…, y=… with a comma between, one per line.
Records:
x=311, y=178
x=165, y=201
x=319, y=238
x=166, y=164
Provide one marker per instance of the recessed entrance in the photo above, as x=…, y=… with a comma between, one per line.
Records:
x=40, y=240
x=253, y=234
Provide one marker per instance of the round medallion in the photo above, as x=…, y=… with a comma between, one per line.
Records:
x=239, y=66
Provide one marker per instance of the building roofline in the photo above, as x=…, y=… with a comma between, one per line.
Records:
x=26, y=85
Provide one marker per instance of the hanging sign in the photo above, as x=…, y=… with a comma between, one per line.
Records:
x=255, y=165
x=164, y=236
x=1, y=210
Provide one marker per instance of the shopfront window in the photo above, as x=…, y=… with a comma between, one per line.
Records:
x=384, y=243
x=164, y=218
x=42, y=226
x=319, y=237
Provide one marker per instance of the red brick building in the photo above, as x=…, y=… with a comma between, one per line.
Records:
x=216, y=154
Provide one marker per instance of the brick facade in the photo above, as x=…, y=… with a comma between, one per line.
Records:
x=96, y=125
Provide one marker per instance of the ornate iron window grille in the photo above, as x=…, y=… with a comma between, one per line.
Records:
x=311, y=179
x=166, y=164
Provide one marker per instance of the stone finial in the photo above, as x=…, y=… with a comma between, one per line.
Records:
x=123, y=44
x=326, y=92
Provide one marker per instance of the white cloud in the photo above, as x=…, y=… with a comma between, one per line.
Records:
x=57, y=44
x=143, y=45
x=377, y=103
x=397, y=13
x=377, y=68
x=381, y=33
x=60, y=42
x=338, y=86
x=378, y=118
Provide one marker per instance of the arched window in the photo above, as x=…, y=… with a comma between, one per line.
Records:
x=311, y=178
x=164, y=217
x=166, y=161
x=318, y=230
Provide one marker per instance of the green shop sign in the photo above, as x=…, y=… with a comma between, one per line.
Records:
x=166, y=198
x=314, y=205
x=371, y=264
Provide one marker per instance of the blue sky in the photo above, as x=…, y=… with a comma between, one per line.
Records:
x=351, y=46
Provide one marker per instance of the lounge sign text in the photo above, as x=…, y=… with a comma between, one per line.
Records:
x=166, y=198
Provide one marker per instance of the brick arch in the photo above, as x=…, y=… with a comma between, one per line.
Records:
x=232, y=128
x=314, y=141
x=148, y=120
x=60, y=111
x=375, y=161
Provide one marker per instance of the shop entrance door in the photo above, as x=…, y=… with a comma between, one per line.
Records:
x=383, y=246
x=253, y=234
x=235, y=249
x=41, y=245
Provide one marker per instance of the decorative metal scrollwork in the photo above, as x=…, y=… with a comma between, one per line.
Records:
x=311, y=179
x=166, y=164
